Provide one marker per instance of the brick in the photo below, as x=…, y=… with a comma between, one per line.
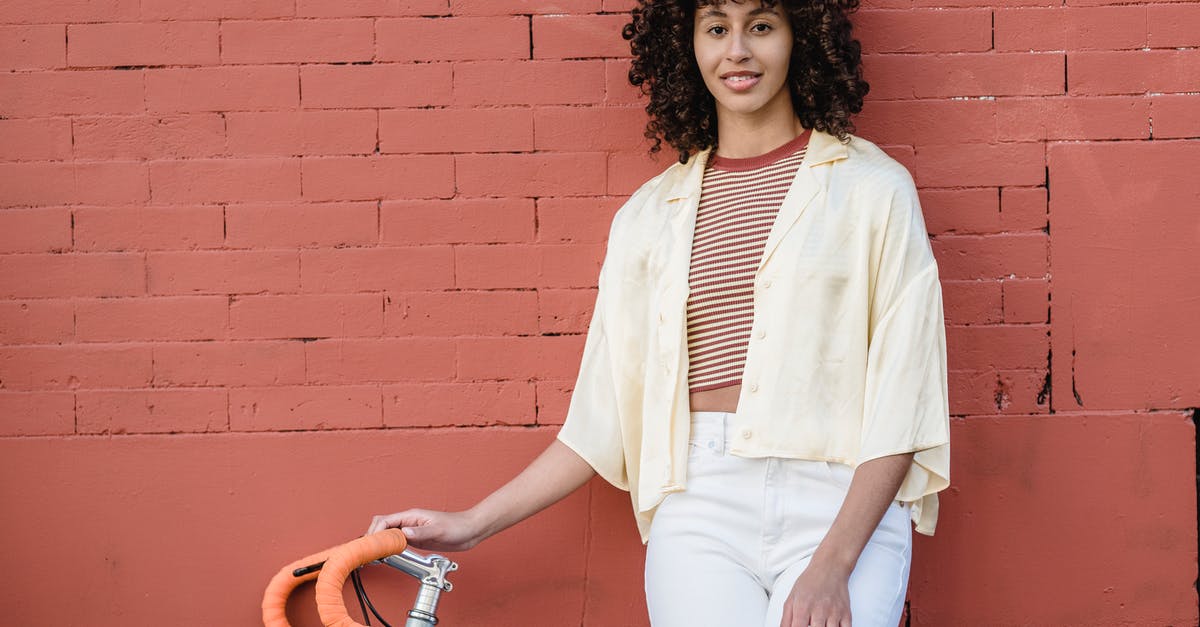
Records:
x=71, y=275
x=307, y=316
x=579, y=36
x=33, y=47
x=553, y=400
x=1027, y=301
x=153, y=411
x=379, y=360
x=149, y=137
x=377, y=269
x=536, y=174
x=617, y=89
x=466, y=220
x=617, y=6
x=297, y=133
x=565, y=310
x=924, y=30
x=371, y=8
x=975, y=210
x=973, y=165
x=36, y=321
x=133, y=43
x=36, y=94
x=1092, y=119
x=35, y=140
x=1174, y=116
x=522, y=7
x=519, y=358
x=528, y=82
x=301, y=225
x=903, y=77
x=1070, y=28
x=453, y=38
x=580, y=219
x=380, y=85
x=915, y=122
x=627, y=171
x=523, y=266
x=71, y=367
x=984, y=347
x=455, y=130
x=168, y=318
x=1146, y=577
x=147, y=228
x=1124, y=332
x=590, y=128
x=447, y=314
x=223, y=272
x=216, y=9
x=458, y=404
x=35, y=230
x=972, y=302
x=1024, y=255
x=1023, y=208
x=37, y=413
x=1133, y=72
x=225, y=180
x=17, y=12
x=231, y=88
x=999, y=392
x=297, y=41
x=378, y=177
x=305, y=408
x=1172, y=25
x=51, y=183
x=228, y=364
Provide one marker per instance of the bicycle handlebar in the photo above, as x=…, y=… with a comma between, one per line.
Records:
x=330, y=568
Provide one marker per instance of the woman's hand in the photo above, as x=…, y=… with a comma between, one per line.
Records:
x=820, y=597
x=432, y=530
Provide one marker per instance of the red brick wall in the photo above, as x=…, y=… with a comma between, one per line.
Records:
x=270, y=267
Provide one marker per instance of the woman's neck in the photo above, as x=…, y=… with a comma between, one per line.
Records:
x=743, y=136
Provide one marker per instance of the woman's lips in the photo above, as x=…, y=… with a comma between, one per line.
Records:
x=740, y=83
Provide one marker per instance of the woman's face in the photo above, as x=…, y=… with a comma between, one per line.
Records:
x=742, y=50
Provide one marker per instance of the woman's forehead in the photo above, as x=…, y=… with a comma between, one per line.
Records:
x=745, y=4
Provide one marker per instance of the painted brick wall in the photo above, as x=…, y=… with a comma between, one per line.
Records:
x=270, y=267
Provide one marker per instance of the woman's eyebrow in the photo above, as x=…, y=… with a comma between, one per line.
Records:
x=711, y=12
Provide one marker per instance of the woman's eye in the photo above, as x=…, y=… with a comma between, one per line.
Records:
x=717, y=30
x=761, y=28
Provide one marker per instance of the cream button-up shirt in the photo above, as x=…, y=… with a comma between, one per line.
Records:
x=847, y=355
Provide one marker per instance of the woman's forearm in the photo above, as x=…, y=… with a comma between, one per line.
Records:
x=554, y=474
x=872, y=491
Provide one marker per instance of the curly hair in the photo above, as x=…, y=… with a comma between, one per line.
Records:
x=824, y=73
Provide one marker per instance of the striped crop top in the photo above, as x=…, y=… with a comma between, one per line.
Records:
x=739, y=199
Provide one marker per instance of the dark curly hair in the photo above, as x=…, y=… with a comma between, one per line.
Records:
x=824, y=73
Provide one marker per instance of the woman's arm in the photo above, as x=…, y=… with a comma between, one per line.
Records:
x=554, y=474
x=821, y=593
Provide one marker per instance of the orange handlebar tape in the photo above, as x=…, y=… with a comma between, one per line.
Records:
x=344, y=559
x=340, y=559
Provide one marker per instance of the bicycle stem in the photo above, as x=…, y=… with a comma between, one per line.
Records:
x=431, y=571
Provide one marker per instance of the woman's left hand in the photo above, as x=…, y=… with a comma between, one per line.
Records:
x=820, y=597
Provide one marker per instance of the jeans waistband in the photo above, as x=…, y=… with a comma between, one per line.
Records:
x=711, y=430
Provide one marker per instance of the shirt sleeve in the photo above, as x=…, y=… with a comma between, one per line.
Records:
x=906, y=406
x=592, y=427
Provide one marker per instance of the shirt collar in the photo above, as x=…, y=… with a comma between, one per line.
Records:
x=822, y=148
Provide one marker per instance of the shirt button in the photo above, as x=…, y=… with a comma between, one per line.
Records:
x=747, y=434
x=760, y=334
x=753, y=387
x=766, y=283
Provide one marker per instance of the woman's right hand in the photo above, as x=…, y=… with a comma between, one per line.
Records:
x=432, y=530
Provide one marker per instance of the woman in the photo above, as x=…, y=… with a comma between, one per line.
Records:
x=765, y=368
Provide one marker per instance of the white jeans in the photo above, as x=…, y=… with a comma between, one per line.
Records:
x=727, y=551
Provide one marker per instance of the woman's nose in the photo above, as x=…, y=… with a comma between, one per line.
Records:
x=738, y=50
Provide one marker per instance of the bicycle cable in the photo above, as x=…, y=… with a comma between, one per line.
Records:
x=361, y=591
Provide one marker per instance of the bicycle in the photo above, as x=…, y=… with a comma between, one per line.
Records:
x=331, y=568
